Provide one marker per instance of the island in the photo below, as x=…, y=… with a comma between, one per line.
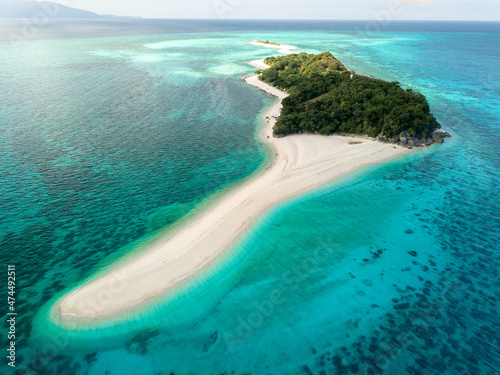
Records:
x=327, y=98
x=268, y=42
x=297, y=163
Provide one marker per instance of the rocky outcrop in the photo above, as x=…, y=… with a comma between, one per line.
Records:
x=439, y=136
x=405, y=139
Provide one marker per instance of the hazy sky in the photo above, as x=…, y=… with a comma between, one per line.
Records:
x=297, y=9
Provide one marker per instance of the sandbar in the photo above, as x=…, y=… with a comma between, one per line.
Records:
x=300, y=164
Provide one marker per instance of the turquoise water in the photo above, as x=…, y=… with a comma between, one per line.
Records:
x=107, y=141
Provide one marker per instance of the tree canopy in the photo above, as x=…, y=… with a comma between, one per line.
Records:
x=326, y=98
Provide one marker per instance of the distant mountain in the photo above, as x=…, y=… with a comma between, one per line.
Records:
x=29, y=9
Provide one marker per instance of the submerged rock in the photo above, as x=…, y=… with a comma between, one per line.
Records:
x=211, y=341
x=139, y=343
x=91, y=358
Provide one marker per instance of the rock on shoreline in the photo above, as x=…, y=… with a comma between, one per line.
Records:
x=422, y=140
x=405, y=139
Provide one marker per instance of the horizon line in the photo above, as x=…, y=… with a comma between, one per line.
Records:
x=136, y=18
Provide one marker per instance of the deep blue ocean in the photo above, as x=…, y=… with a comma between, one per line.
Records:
x=113, y=131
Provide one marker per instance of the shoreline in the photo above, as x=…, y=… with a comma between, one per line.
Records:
x=281, y=48
x=299, y=163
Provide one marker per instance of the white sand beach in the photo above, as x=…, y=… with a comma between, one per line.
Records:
x=281, y=48
x=301, y=163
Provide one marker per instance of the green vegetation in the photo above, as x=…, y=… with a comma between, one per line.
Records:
x=268, y=42
x=325, y=97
